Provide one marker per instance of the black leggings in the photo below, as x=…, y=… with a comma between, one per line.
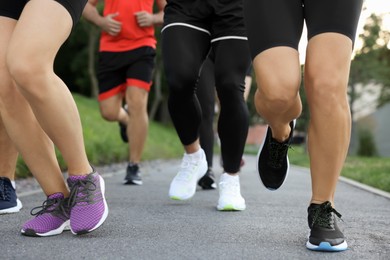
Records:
x=184, y=50
x=206, y=96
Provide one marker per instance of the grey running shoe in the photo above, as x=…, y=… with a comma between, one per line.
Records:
x=325, y=235
x=272, y=160
x=133, y=175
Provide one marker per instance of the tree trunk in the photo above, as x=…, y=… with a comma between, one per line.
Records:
x=93, y=34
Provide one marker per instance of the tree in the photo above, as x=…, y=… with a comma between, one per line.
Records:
x=371, y=64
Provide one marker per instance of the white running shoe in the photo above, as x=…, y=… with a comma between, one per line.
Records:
x=230, y=193
x=193, y=167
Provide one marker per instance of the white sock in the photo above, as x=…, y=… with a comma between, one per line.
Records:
x=13, y=184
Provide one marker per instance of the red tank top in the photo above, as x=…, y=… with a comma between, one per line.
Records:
x=131, y=36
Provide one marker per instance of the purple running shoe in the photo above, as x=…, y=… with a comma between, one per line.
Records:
x=52, y=218
x=88, y=206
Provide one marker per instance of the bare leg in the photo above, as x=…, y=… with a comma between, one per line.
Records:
x=31, y=64
x=8, y=155
x=17, y=117
x=326, y=79
x=138, y=122
x=112, y=111
x=278, y=79
x=248, y=84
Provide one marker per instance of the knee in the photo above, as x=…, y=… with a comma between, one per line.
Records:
x=136, y=101
x=26, y=73
x=279, y=92
x=182, y=82
x=109, y=114
x=327, y=93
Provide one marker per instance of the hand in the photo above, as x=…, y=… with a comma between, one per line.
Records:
x=144, y=19
x=110, y=25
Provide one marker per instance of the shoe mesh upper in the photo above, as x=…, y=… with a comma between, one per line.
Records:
x=86, y=201
x=49, y=216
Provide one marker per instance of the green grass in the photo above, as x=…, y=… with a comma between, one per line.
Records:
x=104, y=145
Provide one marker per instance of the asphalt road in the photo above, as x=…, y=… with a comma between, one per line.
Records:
x=144, y=223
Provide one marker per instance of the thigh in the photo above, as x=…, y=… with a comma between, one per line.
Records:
x=184, y=50
x=273, y=23
x=139, y=73
x=339, y=16
x=43, y=27
x=232, y=60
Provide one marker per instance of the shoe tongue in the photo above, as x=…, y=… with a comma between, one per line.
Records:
x=77, y=177
x=57, y=195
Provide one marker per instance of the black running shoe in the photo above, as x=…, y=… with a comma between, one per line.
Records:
x=123, y=129
x=272, y=160
x=324, y=232
x=207, y=182
x=133, y=175
x=123, y=132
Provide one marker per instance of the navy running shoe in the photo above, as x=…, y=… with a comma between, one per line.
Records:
x=272, y=160
x=325, y=235
x=9, y=202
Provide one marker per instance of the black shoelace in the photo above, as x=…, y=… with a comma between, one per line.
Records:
x=277, y=153
x=81, y=191
x=322, y=216
x=56, y=206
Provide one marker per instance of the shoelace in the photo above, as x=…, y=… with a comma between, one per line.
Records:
x=55, y=206
x=81, y=191
x=323, y=215
x=231, y=187
x=4, y=192
x=277, y=153
x=185, y=173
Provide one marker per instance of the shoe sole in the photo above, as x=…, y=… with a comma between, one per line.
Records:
x=230, y=208
x=132, y=182
x=258, y=158
x=105, y=213
x=15, y=209
x=31, y=233
x=327, y=247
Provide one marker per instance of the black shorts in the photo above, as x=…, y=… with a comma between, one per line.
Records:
x=118, y=70
x=13, y=8
x=272, y=23
x=221, y=19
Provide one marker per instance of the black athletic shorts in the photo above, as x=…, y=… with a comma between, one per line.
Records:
x=272, y=23
x=118, y=70
x=222, y=19
x=13, y=8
